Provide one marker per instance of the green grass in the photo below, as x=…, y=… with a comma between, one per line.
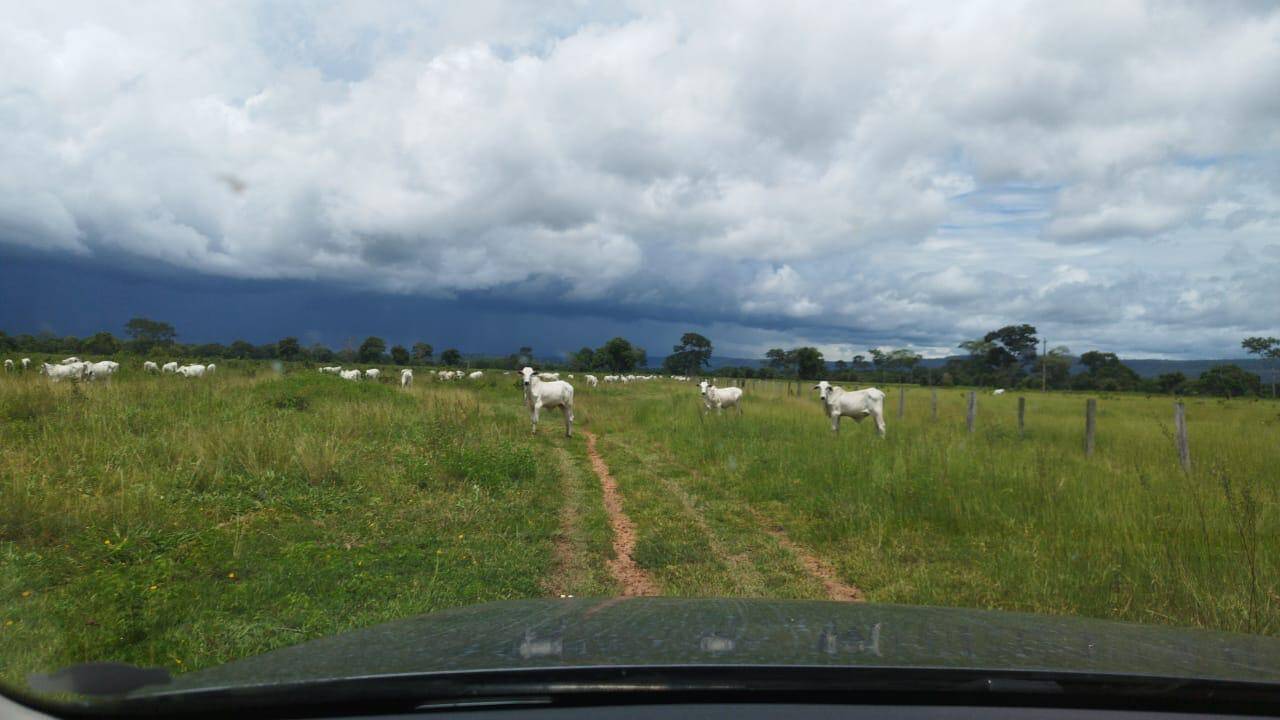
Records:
x=186, y=523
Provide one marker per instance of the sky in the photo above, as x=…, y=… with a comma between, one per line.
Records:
x=487, y=175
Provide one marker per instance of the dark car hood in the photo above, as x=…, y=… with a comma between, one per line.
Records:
x=532, y=634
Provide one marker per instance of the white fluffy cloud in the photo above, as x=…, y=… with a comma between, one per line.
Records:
x=847, y=175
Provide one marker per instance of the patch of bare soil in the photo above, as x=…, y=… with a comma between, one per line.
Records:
x=634, y=580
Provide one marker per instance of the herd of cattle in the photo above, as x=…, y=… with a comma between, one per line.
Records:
x=73, y=368
x=541, y=389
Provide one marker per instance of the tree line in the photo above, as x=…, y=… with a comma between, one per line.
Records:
x=1010, y=357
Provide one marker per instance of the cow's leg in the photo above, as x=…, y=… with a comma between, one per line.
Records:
x=568, y=421
x=880, y=423
x=533, y=415
x=835, y=422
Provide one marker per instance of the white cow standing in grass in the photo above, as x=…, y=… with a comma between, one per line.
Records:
x=372, y=373
x=74, y=371
x=857, y=404
x=8, y=365
x=26, y=364
x=592, y=380
x=476, y=375
x=406, y=378
x=349, y=374
x=150, y=367
x=998, y=391
x=169, y=367
x=720, y=398
x=102, y=370
x=191, y=371
x=555, y=393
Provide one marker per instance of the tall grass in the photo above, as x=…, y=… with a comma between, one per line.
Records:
x=184, y=523
x=935, y=515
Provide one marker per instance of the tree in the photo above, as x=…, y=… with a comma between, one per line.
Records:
x=451, y=357
x=147, y=333
x=778, y=360
x=399, y=355
x=1105, y=372
x=103, y=343
x=372, y=349
x=1267, y=348
x=619, y=356
x=422, y=352
x=321, y=353
x=841, y=366
x=524, y=356
x=1229, y=380
x=288, y=348
x=809, y=364
x=241, y=349
x=690, y=356
x=902, y=360
x=1055, y=367
x=584, y=359
x=1171, y=382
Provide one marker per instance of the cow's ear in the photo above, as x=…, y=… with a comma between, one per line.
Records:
x=816, y=387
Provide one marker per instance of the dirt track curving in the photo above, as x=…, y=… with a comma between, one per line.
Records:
x=633, y=579
x=836, y=588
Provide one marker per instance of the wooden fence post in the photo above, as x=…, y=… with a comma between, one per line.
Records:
x=1022, y=414
x=935, y=403
x=973, y=409
x=902, y=401
x=1090, y=425
x=1180, y=428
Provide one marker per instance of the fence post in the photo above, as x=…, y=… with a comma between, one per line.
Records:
x=1022, y=414
x=1090, y=425
x=1180, y=428
x=902, y=401
x=934, y=402
x=973, y=409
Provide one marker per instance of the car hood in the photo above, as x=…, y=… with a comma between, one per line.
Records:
x=648, y=632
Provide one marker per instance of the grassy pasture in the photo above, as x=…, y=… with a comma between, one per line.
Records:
x=186, y=523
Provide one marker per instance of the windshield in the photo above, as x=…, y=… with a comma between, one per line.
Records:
x=318, y=317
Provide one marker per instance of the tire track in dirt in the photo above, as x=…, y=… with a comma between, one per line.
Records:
x=567, y=559
x=836, y=588
x=634, y=581
x=744, y=573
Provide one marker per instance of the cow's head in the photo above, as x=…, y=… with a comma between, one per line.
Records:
x=823, y=388
x=527, y=375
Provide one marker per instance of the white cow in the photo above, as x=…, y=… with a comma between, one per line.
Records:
x=26, y=363
x=555, y=393
x=102, y=370
x=169, y=367
x=548, y=376
x=63, y=372
x=70, y=361
x=349, y=374
x=476, y=375
x=592, y=380
x=406, y=378
x=720, y=398
x=210, y=368
x=331, y=369
x=372, y=373
x=191, y=371
x=857, y=404
x=150, y=367
x=998, y=391
x=8, y=365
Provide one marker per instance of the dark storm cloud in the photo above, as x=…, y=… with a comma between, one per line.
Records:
x=798, y=172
